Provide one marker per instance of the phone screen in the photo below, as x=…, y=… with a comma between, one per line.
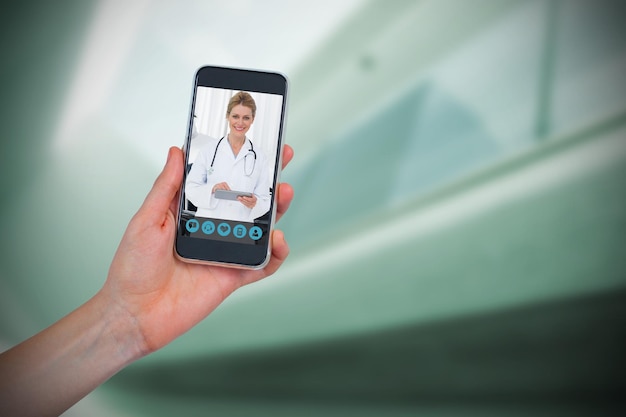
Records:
x=232, y=164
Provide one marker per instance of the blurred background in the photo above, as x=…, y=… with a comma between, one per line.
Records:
x=458, y=232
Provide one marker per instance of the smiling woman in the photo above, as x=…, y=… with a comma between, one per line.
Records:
x=223, y=165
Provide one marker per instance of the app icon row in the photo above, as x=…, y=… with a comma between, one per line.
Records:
x=224, y=229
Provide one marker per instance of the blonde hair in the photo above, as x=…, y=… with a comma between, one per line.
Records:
x=243, y=98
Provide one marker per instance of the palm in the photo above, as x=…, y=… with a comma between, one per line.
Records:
x=165, y=296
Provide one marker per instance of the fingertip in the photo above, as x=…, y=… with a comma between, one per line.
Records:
x=280, y=248
x=279, y=235
x=288, y=154
x=289, y=150
x=166, y=185
x=173, y=165
x=285, y=196
x=286, y=190
x=174, y=153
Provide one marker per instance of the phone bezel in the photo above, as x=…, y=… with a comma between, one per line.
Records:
x=217, y=252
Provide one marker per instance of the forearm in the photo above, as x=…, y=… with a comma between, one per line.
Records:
x=48, y=373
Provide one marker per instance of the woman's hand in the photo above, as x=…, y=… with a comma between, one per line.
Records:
x=220, y=186
x=163, y=296
x=249, y=202
x=148, y=299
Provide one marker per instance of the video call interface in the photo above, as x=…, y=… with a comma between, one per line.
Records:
x=207, y=214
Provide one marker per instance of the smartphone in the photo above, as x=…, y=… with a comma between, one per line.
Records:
x=234, y=136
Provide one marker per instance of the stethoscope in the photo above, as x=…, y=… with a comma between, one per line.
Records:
x=245, y=158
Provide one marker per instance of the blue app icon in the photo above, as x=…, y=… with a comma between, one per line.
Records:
x=208, y=227
x=255, y=233
x=239, y=231
x=223, y=229
x=192, y=225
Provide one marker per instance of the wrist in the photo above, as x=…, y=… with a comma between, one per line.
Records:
x=121, y=329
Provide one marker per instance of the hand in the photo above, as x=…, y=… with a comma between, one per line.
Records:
x=148, y=299
x=220, y=186
x=249, y=202
x=162, y=296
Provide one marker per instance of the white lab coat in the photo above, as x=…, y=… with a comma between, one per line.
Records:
x=230, y=169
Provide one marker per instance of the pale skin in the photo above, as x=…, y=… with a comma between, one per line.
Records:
x=239, y=119
x=148, y=299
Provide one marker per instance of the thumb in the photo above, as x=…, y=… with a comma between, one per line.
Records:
x=159, y=199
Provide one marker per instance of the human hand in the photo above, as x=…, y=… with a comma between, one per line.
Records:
x=220, y=186
x=160, y=295
x=249, y=202
x=148, y=299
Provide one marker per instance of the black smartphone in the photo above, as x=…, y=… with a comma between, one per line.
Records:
x=233, y=148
